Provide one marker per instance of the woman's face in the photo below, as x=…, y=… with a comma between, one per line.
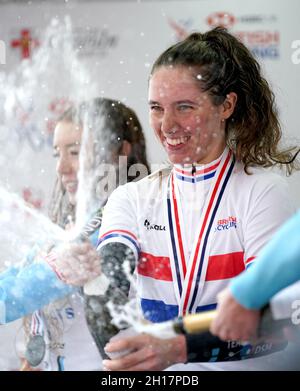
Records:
x=188, y=125
x=66, y=145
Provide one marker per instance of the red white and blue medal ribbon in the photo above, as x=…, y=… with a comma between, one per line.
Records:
x=37, y=324
x=36, y=345
x=176, y=242
x=189, y=277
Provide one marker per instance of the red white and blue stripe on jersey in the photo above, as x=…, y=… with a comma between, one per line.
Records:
x=157, y=290
x=122, y=236
x=187, y=175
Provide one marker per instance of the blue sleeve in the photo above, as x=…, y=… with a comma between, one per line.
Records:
x=10, y=272
x=28, y=289
x=25, y=290
x=276, y=267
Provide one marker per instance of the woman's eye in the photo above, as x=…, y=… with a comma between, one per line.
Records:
x=55, y=154
x=184, y=107
x=155, y=108
x=74, y=153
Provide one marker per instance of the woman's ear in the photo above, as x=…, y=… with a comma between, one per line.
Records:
x=126, y=148
x=229, y=105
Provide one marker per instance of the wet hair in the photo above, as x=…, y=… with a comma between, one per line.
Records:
x=112, y=123
x=223, y=64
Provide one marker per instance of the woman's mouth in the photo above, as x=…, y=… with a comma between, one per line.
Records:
x=176, y=143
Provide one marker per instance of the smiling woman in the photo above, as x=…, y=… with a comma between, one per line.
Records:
x=214, y=114
x=189, y=126
x=66, y=145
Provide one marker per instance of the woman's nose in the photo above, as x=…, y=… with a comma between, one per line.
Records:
x=168, y=123
x=63, y=166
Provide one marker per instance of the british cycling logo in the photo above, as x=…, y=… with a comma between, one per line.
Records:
x=2, y=53
x=225, y=224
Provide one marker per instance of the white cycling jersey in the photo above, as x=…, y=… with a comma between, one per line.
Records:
x=193, y=229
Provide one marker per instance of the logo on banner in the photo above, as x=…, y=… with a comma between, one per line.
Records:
x=228, y=20
x=26, y=43
x=263, y=43
x=222, y=19
x=2, y=53
x=29, y=132
x=180, y=28
x=94, y=41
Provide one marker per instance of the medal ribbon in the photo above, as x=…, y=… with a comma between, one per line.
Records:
x=190, y=278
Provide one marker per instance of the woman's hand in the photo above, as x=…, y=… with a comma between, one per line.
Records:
x=75, y=263
x=233, y=321
x=147, y=353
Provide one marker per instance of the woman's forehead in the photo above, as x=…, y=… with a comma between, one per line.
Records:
x=66, y=132
x=178, y=83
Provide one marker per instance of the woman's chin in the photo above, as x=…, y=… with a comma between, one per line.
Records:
x=180, y=159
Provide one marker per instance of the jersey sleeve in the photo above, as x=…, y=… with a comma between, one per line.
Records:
x=269, y=207
x=119, y=224
x=277, y=266
x=28, y=289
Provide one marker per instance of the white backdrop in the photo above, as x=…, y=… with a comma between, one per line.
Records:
x=119, y=42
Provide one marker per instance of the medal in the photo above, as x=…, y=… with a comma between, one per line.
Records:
x=35, y=350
